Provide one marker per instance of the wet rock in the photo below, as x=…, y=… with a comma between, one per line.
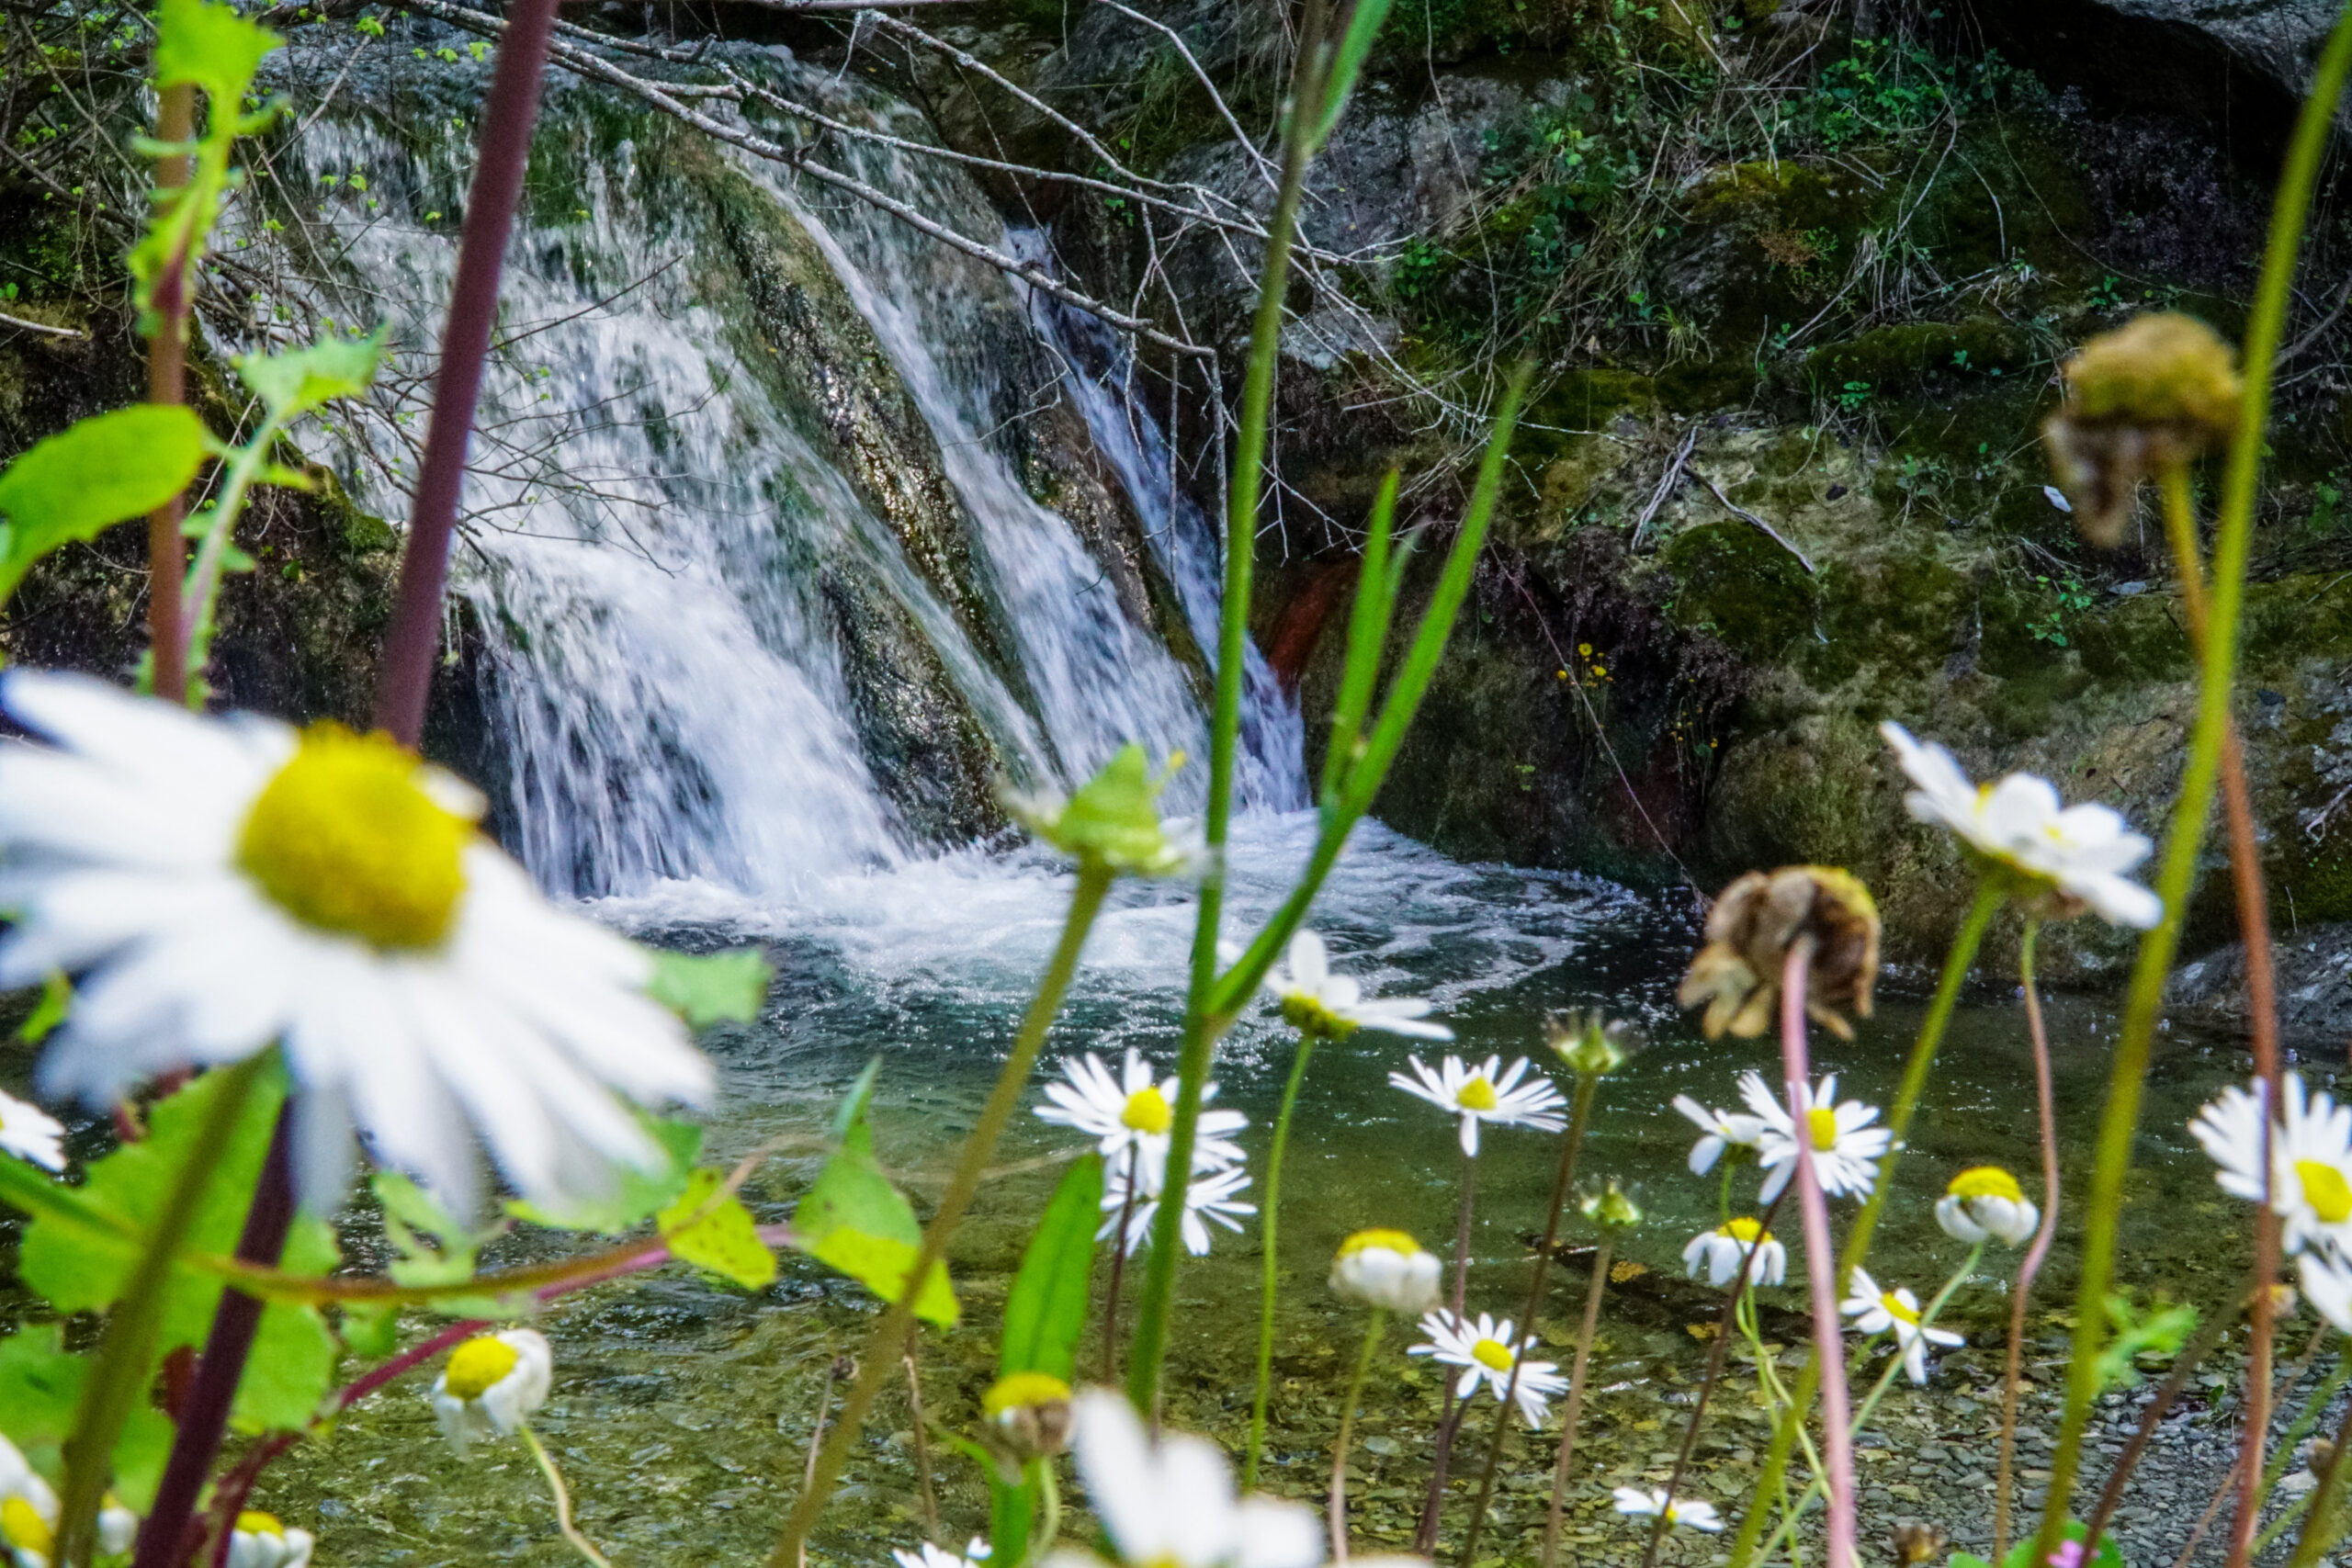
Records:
x=2312, y=968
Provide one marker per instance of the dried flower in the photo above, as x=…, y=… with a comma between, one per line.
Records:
x=1736, y=976
x=2156, y=392
x=1915, y=1543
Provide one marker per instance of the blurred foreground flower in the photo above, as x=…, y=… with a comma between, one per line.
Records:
x=2061, y=859
x=258, y=1540
x=1722, y=1251
x=1387, y=1269
x=2157, y=392
x=30, y=1133
x=225, y=885
x=1875, y=1311
x=2311, y=1159
x=1986, y=1202
x=28, y=1515
x=931, y=1556
x=494, y=1384
x=1721, y=1130
x=1316, y=1001
x=1129, y=1117
x=1695, y=1513
x=1846, y=1148
x=1171, y=1504
x=1756, y=920
x=1487, y=1350
x=1028, y=1414
x=1486, y=1095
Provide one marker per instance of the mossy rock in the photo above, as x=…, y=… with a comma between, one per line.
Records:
x=1748, y=591
x=1762, y=242
x=1899, y=358
x=1894, y=613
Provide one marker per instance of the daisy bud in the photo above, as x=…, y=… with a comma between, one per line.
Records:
x=494, y=1384
x=1610, y=1207
x=1387, y=1270
x=1983, y=1203
x=1736, y=976
x=1113, y=822
x=2155, y=393
x=258, y=1540
x=1028, y=1415
x=1588, y=1044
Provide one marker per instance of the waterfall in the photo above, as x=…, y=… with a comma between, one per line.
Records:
x=717, y=653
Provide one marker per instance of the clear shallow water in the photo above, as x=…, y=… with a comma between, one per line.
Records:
x=683, y=1412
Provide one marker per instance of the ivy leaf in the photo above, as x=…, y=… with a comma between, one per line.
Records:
x=1044, y=1312
x=714, y=1232
x=854, y=1221
x=104, y=470
x=209, y=47
x=300, y=379
x=724, y=988
x=640, y=1194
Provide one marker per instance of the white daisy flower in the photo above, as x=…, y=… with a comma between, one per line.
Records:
x=1316, y=1001
x=1484, y=1095
x=1846, y=1148
x=2327, y=1285
x=1875, y=1311
x=2311, y=1159
x=1720, y=1130
x=2079, y=853
x=1985, y=1202
x=930, y=1556
x=1131, y=1115
x=1487, y=1350
x=1171, y=1504
x=494, y=1384
x=258, y=1540
x=1696, y=1513
x=220, y=886
x=1210, y=1195
x=1722, y=1252
x=28, y=1515
x=31, y=1133
x=1387, y=1270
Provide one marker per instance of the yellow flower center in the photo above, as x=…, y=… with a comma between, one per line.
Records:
x=345, y=839
x=1744, y=1229
x=478, y=1364
x=1477, y=1094
x=1895, y=1309
x=1020, y=1390
x=1822, y=1124
x=22, y=1526
x=1987, y=1181
x=1492, y=1354
x=2325, y=1191
x=253, y=1521
x=1147, y=1111
x=1386, y=1241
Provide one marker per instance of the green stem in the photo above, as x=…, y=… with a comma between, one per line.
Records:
x=200, y=594
x=2044, y=1234
x=2232, y=539
x=1346, y=1439
x=888, y=1343
x=1858, y=1240
x=2319, y=1534
x=1049, y=1489
x=118, y=1379
x=1273, y=1272
x=1574, y=1416
x=579, y=1542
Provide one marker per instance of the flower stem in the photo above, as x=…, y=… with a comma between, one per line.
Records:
x=1574, y=1416
x=579, y=1543
x=1271, y=1268
x=1339, y=1509
x=890, y=1336
x=118, y=1379
x=2035, y=1253
x=167, y=383
x=1571, y=1141
x=922, y=1450
x=1049, y=1490
x=406, y=672
x=1450, y=1413
x=2184, y=846
x=1829, y=1345
x=1118, y=1268
x=2318, y=1530
x=1963, y=953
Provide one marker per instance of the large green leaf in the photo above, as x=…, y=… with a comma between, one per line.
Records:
x=713, y=1231
x=209, y=47
x=854, y=1221
x=300, y=379
x=78, y=1254
x=104, y=470
x=722, y=987
x=40, y=1389
x=1044, y=1312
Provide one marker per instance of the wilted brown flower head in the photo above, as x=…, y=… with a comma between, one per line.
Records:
x=2161, y=390
x=1027, y=1416
x=1915, y=1543
x=1736, y=976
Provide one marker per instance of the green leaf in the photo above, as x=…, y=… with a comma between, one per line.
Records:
x=881, y=1264
x=714, y=1232
x=2108, y=1555
x=1044, y=1312
x=724, y=988
x=1013, y=1513
x=2162, y=1329
x=92, y=474
x=209, y=47
x=56, y=1001
x=371, y=1332
x=854, y=1221
x=1364, y=26
x=639, y=1195
x=78, y=1252
x=300, y=379
x=40, y=1386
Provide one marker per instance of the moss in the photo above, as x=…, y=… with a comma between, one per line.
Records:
x=1894, y=613
x=1697, y=387
x=1733, y=581
x=1901, y=357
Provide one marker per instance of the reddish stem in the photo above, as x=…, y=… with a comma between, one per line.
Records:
x=2043, y=1236
x=1829, y=1345
x=167, y=383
